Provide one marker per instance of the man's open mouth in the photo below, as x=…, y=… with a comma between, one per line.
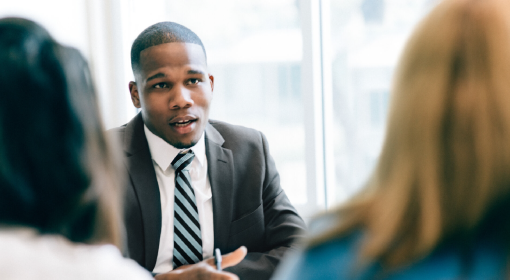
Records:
x=182, y=123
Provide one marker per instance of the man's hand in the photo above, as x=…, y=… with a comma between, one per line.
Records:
x=206, y=269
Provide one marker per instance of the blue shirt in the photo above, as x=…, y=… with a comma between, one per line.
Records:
x=336, y=259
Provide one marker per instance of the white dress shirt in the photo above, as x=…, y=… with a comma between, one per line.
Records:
x=162, y=155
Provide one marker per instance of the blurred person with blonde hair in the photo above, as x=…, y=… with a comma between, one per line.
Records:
x=60, y=195
x=438, y=203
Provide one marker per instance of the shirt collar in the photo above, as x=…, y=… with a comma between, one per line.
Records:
x=163, y=153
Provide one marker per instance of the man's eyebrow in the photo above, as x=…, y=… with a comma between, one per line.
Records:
x=193, y=71
x=158, y=75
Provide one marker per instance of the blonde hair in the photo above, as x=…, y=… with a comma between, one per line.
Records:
x=444, y=170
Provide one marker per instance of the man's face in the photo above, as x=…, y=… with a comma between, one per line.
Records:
x=174, y=90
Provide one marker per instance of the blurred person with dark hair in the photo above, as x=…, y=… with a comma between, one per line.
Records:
x=60, y=210
x=438, y=203
x=196, y=184
x=58, y=177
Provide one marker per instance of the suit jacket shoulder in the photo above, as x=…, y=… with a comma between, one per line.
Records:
x=232, y=131
x=240, y=139
x=251, y=156
x=117, y=134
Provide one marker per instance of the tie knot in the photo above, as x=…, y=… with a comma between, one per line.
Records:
x=182, y=160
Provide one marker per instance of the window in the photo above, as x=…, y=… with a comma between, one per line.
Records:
x=367, y=38
x=313, y=75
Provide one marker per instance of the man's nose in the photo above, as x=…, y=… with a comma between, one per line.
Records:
x=181, y=98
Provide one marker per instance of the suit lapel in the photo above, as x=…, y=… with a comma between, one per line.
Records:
x=221, y=176
x=143, y=176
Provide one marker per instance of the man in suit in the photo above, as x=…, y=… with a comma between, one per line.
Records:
x=234, y=197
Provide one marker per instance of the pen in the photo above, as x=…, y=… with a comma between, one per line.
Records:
x=217, y=259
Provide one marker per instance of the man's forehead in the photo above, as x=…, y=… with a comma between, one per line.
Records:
x=174, y=52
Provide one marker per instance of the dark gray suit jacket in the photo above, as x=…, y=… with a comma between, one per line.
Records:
x=249, y=206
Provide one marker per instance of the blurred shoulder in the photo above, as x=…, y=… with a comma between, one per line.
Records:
x=111, y=264
x=54, y=257
x=331, y=259
x=337, y=258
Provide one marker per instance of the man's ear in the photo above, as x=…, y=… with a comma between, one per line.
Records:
x=211, y=81
x=135, y=95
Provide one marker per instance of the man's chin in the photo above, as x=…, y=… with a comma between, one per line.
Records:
x=184, y=141
x=182, y=145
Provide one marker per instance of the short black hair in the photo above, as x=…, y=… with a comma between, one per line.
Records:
x=162, y=33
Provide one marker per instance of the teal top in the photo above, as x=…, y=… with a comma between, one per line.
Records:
x=336, y=259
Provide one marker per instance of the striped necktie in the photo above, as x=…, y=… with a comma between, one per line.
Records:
x=187, y=235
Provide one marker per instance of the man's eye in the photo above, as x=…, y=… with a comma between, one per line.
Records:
x=161, y=85
x=193, y=81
